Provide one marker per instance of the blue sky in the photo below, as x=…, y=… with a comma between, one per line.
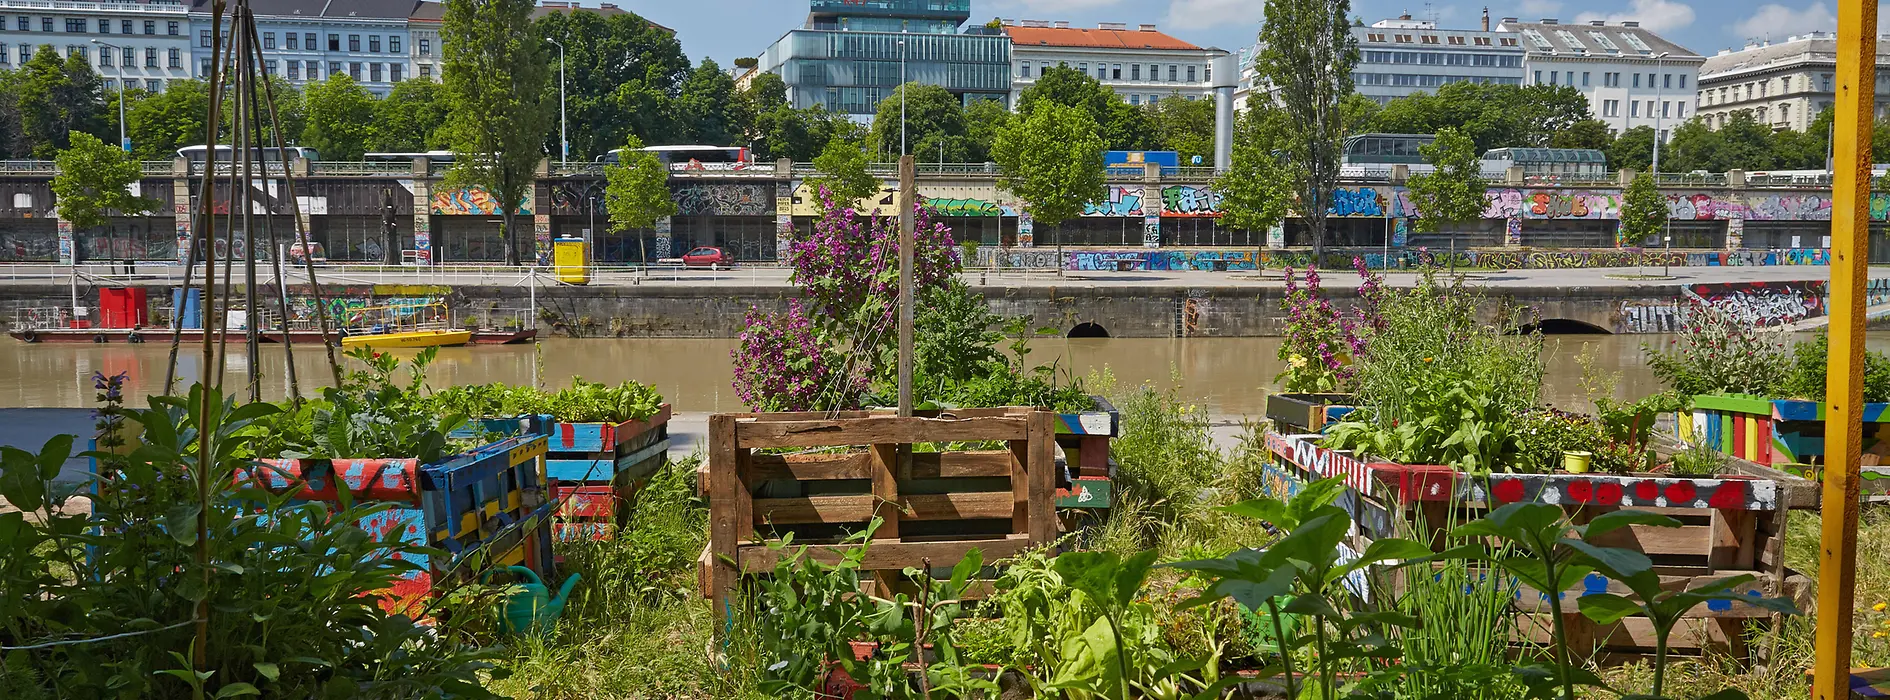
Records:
x=726, y=29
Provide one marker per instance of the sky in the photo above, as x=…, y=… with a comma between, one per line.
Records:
x=728, y=29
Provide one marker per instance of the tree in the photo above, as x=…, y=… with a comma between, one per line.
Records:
x=1493, y=116
x=984, y=120
x=1053, y=160
x=13, y=142
x=1643, y=210
x=1587, y=133
x=1257, y=188
x=709, y=110
x=1308, y=57
x=1747, y=143
x=1186, y=127
x=408, y=119
x=1799, y=150
x=1124, y=127
x=621, y=75
x=58, y=97
x=842, y=167
x=93, y=180
x=340, y=118
x=934, y=117
x=1361, y=114
x=162, y=123
x=637, y=191
x=1454, y=191
x=495, y=74
x=1632, y=150
x=1693, y=146
x=289, y=110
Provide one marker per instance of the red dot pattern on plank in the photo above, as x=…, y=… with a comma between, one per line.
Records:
x=1608, y=493
x=1731, y=494
x=1646, y=491
x=1508, y=490
x=1581, y=491
x=1680, y=493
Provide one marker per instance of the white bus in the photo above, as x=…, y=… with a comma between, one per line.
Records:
x=691, y=157
x=390, y=157
x=225, y=154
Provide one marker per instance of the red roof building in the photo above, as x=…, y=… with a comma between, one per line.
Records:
x=1143, y=65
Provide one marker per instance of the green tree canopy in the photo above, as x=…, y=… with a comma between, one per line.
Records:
x=94, y=180
x=162, y=123
x=409, y=118
x=340, y=118
x=58, y=97
x=1186, y=127
x=984, y=120
x=1124, y=127
x=1493, y=116
x=1454, y=191
x=934, y=117
x=1053, y=160
x=1257, y=188
x=1632, y=149
x=621, y=75
x=1643, y=210
x=495, y=74
x=637, y=189
x=842, y=166
x=710, y=111
x=13, y=141
x=1587, y=133
x=1308, y=54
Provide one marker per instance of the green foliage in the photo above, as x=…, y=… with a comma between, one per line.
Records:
x=934, y=117
x=1257, y=189
x=1542, y=435
x=1805, y=378
x=1697, y=460
x=162, y=123
x=1164, y=455
x=582, y=402
x=58, y=97
x=1740, y=144
x=94, y=181
x=1455, y=191
x=371, y=415
x=1587, y=133
x=637, y=190
x=1122, y=126
x=1495, y=116
x=709, y=109
x=1718, y=353
x=1643, y=210
x=1185, y=126
x=1308, y=56
x=495, y=76
x=86, y=580
x=623, y=76
x=984, y=120
x=1632, y=150
x=1053, y=160
x=408, y=119
x=842, y=166
x=340, y=118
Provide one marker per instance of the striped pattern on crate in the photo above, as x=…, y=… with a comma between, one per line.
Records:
x=1086, y=423
x=1304, y=450
x=602, y=437
x=595, y=470
x=1738, y=494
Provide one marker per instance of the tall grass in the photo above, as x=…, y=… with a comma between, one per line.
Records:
x=1466, y=619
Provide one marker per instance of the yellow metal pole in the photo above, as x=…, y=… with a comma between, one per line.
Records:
x=1844, y=394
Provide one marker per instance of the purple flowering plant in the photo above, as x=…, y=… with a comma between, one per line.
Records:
x=1323, y=342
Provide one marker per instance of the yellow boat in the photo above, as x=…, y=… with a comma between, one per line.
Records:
x=409, y=339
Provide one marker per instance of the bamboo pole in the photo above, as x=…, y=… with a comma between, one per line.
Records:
x=1844, y=398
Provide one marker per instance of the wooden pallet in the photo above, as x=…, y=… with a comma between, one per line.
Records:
x=1732, y=524
x=1783, y=433
x=934, y=506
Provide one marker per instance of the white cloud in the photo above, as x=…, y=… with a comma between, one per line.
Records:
x=1778, y=21
x=1209, y=14
x=1532, y=9
x=1654, y=15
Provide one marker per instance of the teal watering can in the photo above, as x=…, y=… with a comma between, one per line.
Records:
x=528, y=608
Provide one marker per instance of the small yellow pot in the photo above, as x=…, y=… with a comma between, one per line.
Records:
x=1576, y=461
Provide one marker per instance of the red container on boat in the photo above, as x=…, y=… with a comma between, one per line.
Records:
x=123, y=307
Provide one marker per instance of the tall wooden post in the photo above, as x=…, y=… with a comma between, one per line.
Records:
x=1844, y=398
x=908, y=190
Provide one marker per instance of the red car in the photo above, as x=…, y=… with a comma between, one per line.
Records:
x=707, y=256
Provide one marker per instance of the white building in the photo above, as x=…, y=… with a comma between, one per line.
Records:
x=146, y=43
x=1142, y=65
x=1631, y=76
x=1251, y=81
x=1783, y=85
x=1402, y=56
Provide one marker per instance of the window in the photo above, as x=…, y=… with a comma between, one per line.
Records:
x=308, y=40
x=150, y=57
x=76, y=51
x=1634, y=109
x=104, y=58
x=1152, y=99
x=374, y=72
x=1191, y=74
x=1785, y=113
x=1665, y=108
x=334, y=67
x=1134, y=100
x=1427, y=39
x=1023, y=69
x=1403, y=38
x=176, y=58
x=393, y=44
x=295, y=68
x=26, y=24
x=1540, y=41
x=334, y=42
x=426, y=49
x=269, y=67
x=150, y=27
x=1135, y=71
x=1683, y=81
x=1762, y=87
x=1174, y=74
x=154, y=86
x=1571, y=78
x=1552, y=75
x=1115, y=72
x=75, y=26
x=1584, y=78
x=1102, y=71
x=1680, y=110
x=173, y=28
x=354, y=42
x=1483, y=41
x=26, y=53
x=426, y=71
x=374, y=43
x=1538, y=81
x=1456, y=41
x=354, y=71
x=124, y=27
x=1666, y=81
x=314, y=70
x=1637, y=80
x=45, y=24
x=1603, y=41
x=104, y=26
x=130, y=56
x=203, y=39
x=1635, y=42
x=1568, y=38
x=1380, y=38
x=269, y=40
x=394, y=72
x=203, y=68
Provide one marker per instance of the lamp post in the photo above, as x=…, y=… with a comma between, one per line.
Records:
x=123, y=142
x=1659, y=95
x=564, y=136
x=902, y=97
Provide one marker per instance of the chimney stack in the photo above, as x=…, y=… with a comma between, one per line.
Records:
x=1486, y=18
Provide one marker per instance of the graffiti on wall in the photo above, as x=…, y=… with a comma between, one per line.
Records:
x=1119, y=201
x=1419, y=257
x=1359, y=201
x=1190, y=201
x=472, y=201
x=1757, y=303
x=942, y=206
x=724, y=199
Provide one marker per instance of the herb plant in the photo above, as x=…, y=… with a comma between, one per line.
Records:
x=1718, y=353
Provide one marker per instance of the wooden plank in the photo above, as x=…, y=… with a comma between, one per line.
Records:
x=729, y=521
x=952, y=465
x=760, y=558
x=1731, y=539
x=885, y=464
x=811, y=467
x=875, y=430
x=1041, y=470
x=1020, y=486
x=1636, y=633
x=1654, y=541
x=994, y=505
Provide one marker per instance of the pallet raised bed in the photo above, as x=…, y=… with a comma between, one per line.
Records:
x=1085, y=437
x=492, y=501
x=1784, y=433
x=596, y=469
x=934, y=506
x=1732, y=524
x=1308, y=412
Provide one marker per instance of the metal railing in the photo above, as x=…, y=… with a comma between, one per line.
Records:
x=1690, y=179
x=360, y=168
x=158, y=167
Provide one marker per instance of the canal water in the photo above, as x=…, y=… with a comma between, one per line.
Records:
x=1227, y=375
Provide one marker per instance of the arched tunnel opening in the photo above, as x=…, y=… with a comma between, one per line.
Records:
x=1087, y=330
x=1562, y=326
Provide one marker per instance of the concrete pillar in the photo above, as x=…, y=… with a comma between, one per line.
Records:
x=1735, y=233
x=1026, y=229
x=1735, y=178
x=783, y=212
x=662, y=239
x=299, y=167
x=1151, y=205
x=1226, y=70
x=1400, y=173
x=68, y=246
x=180, y=207
x=1514, y=176
x=422, y=216
x=1625, y=177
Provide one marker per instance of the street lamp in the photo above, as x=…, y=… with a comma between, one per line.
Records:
x=564, y=137
x=123, y=142
x=902, y=97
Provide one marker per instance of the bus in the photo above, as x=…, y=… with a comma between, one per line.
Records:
x=225, y=154
x=690, y=157
x=391, y=157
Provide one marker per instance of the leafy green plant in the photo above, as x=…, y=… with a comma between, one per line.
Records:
x=1718, y=353
x=1805, y=379
x=582, y=402
x=372, y=414
x=1544, y=434
x=1697, y=459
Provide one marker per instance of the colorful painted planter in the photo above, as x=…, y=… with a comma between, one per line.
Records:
x=1308, y=412
x=1084, y=437
x=492, y=502
x=596, y=468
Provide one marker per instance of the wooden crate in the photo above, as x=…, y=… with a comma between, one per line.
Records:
x=1087, y=466
x=618, y=457
x=1781, y=433
x=934, y=506
x=1731, y=524
x=492, y=501
x=1308, y=412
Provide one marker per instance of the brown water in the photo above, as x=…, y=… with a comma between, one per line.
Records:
x=1226, y=374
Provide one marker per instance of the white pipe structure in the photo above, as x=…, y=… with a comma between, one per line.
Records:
x=1226, y=70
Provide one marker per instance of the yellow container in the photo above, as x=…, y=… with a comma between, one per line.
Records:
x=1576, y=461
x=570, y=261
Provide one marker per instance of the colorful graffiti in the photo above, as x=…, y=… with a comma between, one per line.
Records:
x=1120, y=201
x=724, y=199
x=1419, y=257
x=966, y=207
x=472, y=201
x=1362, y=201
x=1704, y=206
x=1757, y=303
x=1188, y=201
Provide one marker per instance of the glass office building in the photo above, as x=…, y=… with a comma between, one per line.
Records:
x=847, y=58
